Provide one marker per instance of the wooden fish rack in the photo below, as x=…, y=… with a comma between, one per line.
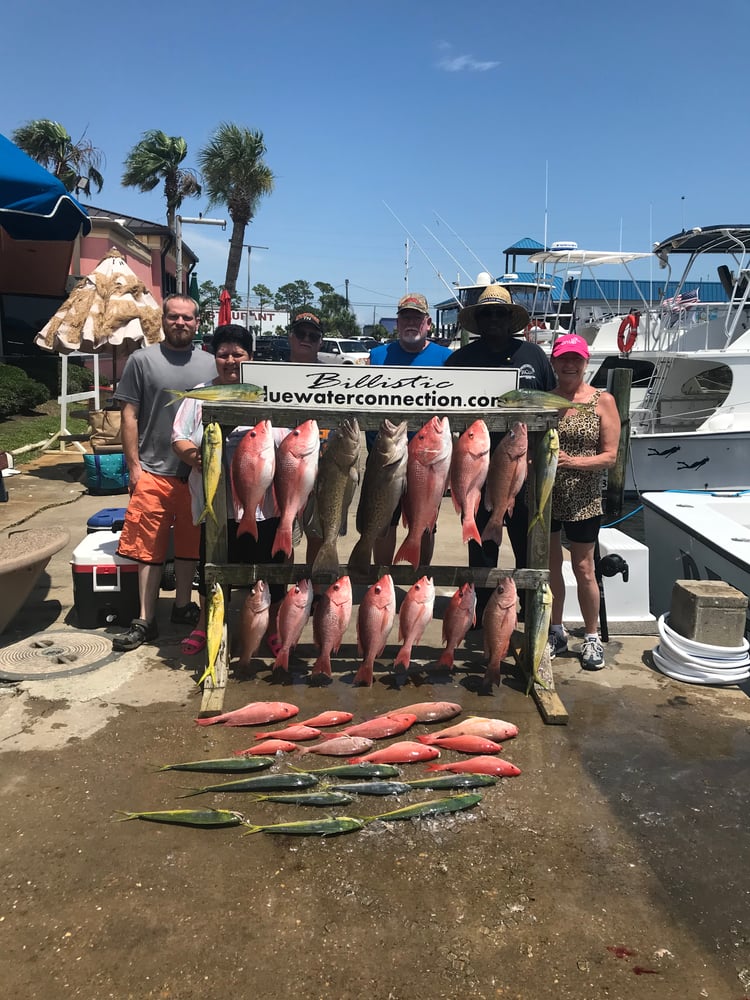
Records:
x=231, y=415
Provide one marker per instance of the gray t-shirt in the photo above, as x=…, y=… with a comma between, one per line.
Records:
x=147, y=374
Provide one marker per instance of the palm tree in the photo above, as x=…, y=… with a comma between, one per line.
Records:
x=158, y=157
x=235, y=175
x=49, y=143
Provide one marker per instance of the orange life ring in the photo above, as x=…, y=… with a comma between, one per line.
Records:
x=628, y=325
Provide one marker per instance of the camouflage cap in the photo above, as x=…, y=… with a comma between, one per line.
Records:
x=414, y=301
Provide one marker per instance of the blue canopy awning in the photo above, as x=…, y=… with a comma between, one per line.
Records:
x=34, y=204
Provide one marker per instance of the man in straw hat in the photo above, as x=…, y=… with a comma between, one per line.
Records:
x=499, y=323
x=159, y=493
x=412, y=347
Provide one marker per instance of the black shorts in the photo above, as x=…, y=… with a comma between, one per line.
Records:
x=579, y=531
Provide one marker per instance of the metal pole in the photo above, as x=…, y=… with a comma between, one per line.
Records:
x=178, y=253
x=250, y=247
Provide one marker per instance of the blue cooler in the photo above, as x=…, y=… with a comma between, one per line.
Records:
x=108, y=519
x=105, y=585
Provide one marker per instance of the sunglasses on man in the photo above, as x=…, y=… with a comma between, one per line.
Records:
x=310, y=335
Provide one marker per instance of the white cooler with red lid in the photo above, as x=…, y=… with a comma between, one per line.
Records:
x=105, y=585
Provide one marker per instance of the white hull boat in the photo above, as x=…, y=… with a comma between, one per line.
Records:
x=696, y=536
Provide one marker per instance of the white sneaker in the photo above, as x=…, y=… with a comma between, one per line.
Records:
x=592, y=654
x=558, y=643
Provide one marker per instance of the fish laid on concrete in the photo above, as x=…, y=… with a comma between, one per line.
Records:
x=338, y=475
x=252, y=471
x=255, y=713
x=477, y=725
x=268, y=747
x=413, y=618
x=382, y=726
x=222, y=765
x=545, y=469
x=374, y=787
x=361, y=771
x=429, y=711
x=382, y=487
x=498, y=621
x=297, y=732
x=480, y=765
x=448, y=780
x=330, y=827
x=259, y=783
x=296, y=469
x=322, y=799
x=459, y=617
x=403, y=752
x=294, y=612
x=469, y=466
x=340, y=746
x=211, y=452
x=214, y=630
x=254, y=621
x=374, y=623
x=508, y=468
x=427, y=472
x=331, y=718
x=451, y=803
x=465, y=744
x=190, y=817
x=330, y=621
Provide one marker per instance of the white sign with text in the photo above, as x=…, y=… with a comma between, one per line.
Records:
x=445, y=390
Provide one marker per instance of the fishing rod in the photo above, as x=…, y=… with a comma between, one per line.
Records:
x=424, y=252
x=484, y=268
x=469, y=276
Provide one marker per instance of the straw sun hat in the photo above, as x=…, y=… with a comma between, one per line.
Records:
x=494, y=295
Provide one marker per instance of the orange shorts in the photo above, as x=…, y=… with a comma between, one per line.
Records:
x=157, y=504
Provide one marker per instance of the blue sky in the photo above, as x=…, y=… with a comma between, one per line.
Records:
x=632, y=118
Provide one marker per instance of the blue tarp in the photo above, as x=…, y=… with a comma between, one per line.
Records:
x=34, y=204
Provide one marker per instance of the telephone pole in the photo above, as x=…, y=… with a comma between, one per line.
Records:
x=249, y=247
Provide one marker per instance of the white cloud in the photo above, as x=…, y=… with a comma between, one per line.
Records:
x=457, y=64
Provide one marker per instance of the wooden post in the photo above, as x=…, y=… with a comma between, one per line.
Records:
x=619, y=381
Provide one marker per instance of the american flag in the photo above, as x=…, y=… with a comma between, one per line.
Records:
x=685, y=299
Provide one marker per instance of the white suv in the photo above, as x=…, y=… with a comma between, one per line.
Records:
x=343, y=352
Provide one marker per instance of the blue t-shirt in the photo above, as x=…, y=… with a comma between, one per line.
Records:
x=393, y=353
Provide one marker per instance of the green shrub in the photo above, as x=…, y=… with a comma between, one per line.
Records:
x=18, y=392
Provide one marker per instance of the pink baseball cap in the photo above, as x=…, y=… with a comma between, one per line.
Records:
x=570, y=343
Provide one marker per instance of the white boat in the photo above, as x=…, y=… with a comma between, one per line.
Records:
x=690, y=404
x=696, y=536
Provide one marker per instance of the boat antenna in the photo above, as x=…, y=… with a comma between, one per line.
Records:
x=469, y=276
x=424, y=253
x=546, y=200
x=483, y=266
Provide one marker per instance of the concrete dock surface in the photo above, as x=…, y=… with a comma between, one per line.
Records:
x=613, y=866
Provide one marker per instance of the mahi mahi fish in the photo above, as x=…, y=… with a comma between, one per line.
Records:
x=535, y=399
x=211, y=450
x=214, y=630
x=242, y=392
x=382, y=486
x=545, y=469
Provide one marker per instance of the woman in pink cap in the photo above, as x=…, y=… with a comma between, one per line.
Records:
x=589, y=438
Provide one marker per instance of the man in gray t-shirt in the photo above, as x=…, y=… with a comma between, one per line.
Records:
x=159, y=495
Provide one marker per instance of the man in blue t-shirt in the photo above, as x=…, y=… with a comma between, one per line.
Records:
x=413, y=326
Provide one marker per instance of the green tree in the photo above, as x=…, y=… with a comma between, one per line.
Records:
x=294, y=296
x=379, y=332
x=264, y=295
x=335, y=315
x=208, y=302
x=235, y=175
x=156, y=158
x=49, y=143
